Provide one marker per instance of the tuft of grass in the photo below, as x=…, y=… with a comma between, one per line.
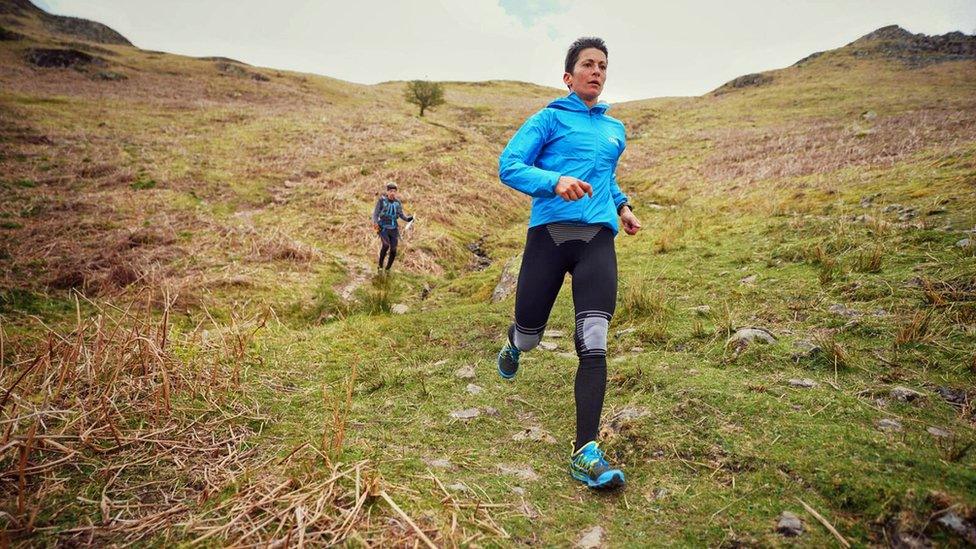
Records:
x=917, y=330
x=378, y=296
x=832, y=352
x=869, y=261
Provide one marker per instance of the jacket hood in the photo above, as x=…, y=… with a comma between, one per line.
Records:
x=572, y=102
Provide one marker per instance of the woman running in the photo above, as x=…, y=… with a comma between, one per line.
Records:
x=565, y=158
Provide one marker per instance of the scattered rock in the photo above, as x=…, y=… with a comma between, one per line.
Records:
x=804, y=383
x=481, y=261
x=966, y=243
x=518, y=490
x=805, y=350
x=751, y=279
x=964, y=529
x=534, y=433
x=842, y=310
x=507, y=280
x=466, y=414
x=744, y=81
x=789, y=525
x=653, y=206
x=548, y=346
x=940, y=433
x=656, y=494
x=869, y=115
x=554, y=333
x=61, y=58
x=864, y=219
x=889, y=425
x=235, y=69
x=625, y=331
x=441, y=362
x=744, y=336
x=110, y=76
x=637, y=349
x=523, y=472
x=702, y=310
x=399, y=309
x=957, y=397
x=905, y=394
x=592, y=538
x=465, y=372
x=425, y=291
x=474, y=389
x=440, y=463
x=489, y=411
x=459, y=487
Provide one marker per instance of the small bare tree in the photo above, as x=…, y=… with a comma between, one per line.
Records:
x=424, y=94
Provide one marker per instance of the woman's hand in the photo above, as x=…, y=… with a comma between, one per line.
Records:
x=629, y=220
x=570, y=188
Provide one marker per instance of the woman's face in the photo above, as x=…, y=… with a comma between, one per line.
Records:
x=589, y=74
x=391, y=194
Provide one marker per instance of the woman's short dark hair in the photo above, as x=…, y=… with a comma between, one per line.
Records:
x=572, y=56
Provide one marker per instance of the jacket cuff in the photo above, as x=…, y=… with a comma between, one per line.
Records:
x=621, y=207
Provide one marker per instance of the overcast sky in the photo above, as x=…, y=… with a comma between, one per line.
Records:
x=657, y=48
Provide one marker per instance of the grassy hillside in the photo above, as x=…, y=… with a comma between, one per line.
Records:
x=194, y=347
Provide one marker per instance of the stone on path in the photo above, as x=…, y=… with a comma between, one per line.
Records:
x=702, y=310
x=625, y=331
x=962, y=528
x=465, y=372
x=953, y=396
x=751, y=279
x=508, y=279
x=966, y=243
x=523, y=472
x=399, y=309
x=889, y=425
x=548, y=346
x=805, y=350
x=905, y=394
x=940, y=433
x=440, y=463
x=489, y=411
x=592, y=538
x=789, y=524
x=554, y=333
x=459, y=487
x=466, y=414
x=535, y=433
x=842, y=310
x=744, y=336
x=441, y=362
x=804, y=383
x=474, y=389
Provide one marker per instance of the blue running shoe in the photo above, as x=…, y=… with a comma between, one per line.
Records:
x=589, y=467
x=508, y=359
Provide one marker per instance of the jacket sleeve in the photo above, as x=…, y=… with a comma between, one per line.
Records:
x=376, y=211
x=402, y=215
x=618, y=196
x=516, y=165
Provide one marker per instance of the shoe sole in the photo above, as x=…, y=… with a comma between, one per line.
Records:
x=616, y=480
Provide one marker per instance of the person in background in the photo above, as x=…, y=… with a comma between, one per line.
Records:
x=386, y=216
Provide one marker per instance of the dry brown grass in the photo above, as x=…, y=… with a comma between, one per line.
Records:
x=817, y=147
x=108, y=409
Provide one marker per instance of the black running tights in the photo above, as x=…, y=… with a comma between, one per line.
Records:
x=587, y=253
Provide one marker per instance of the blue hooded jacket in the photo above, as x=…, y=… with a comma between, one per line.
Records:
x=567, y=138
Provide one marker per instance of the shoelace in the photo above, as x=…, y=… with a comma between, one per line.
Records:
x=592, y=458
x=513, y=352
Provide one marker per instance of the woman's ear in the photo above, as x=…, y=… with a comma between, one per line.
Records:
x=567, y=79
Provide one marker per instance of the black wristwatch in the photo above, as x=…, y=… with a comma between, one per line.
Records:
x=621, y=207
